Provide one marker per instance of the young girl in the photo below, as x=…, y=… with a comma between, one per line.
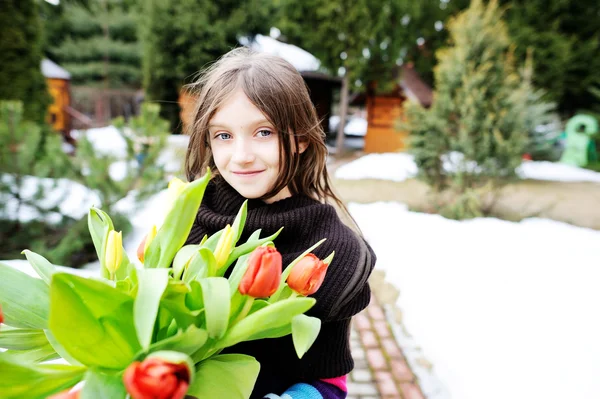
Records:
x=256, y=128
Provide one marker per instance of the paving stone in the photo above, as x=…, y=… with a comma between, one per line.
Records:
x=358, y=389
x=358, y=354
x=401, y=371
x=362, y=375
x=386, y=384
x=382, y=328
x=369, y=339
x=361, y=322
x=411, y=391
x=376, y=313
x=376, y=359
x=391, y=348
x=361, y=364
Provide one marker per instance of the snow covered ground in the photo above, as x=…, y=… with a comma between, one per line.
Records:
x=401, y=166
x=501, y=309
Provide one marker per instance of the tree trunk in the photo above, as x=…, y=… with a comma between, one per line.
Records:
x=339, y=141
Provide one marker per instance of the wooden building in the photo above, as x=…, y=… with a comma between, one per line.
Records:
x=58, y=81
x=385, y=110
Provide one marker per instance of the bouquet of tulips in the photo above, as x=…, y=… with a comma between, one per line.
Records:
x=154, y=329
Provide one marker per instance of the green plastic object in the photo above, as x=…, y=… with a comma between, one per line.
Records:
x=579, y=132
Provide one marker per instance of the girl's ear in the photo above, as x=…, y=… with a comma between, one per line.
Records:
x=303, y=145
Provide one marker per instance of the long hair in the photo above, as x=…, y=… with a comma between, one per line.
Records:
x=276, y=88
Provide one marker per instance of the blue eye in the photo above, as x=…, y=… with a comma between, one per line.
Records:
x=223, y=136
x=264, y=133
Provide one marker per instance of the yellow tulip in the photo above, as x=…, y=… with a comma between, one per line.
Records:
x=114, y=251
x=224, y=246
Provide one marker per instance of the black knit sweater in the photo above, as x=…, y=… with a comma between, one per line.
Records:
x=344, y=292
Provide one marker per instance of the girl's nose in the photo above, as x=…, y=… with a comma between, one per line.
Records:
x=243, y=153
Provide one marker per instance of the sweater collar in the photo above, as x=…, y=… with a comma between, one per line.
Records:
x=222, y=202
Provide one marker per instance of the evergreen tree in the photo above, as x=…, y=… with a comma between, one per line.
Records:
x=565, y=38
x=475, y=132
x=180, y=37
x=21, y=77
x=96, y=42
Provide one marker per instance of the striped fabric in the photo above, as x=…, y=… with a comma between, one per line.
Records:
x=332, y=388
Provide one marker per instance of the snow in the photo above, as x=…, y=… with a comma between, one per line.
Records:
x=301, y=59
x=500, y=309
x=401, y=166
x=73, y=199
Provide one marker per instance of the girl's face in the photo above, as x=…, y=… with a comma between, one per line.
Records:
x=245, y=148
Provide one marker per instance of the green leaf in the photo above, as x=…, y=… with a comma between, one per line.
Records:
x=24, y=299
x=92, y=321
x=99, y=224
x=217, y=304
x=272, y=316
x=174, y=300
x=151, y=286
x=43, y=268
x=240, y=221
x=183, y=256
x=37, y=355
x=103, y=386
x=305, y=330
x=188, y=341
x=177, y=225
x=276, y=332
x=229, y=376
x=203, y=264
x=35, y=381
x=60, y=349
x=235, y=278
x=212, y=241
x=22, y=338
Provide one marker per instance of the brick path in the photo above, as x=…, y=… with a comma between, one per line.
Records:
x=381, y=371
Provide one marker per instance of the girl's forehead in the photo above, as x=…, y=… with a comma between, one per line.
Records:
x=237, y=110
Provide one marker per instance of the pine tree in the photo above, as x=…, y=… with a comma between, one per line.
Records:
x=30, y=161
x=180, y=37
x=97, y=43
x=475, y=132
x=21, y=77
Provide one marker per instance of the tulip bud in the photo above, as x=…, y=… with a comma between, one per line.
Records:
x=114, y=251
x=162, y=375
x=223, y=247
x=175, y=188
x=263, y=275
x=307, y=275
x=143, y=247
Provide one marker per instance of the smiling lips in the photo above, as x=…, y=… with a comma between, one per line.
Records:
x=247, y=173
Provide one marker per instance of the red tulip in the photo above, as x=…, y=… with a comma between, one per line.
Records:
x=67, y=394
x=156, y=378
x=1, y=316
x=263, y=275
x=307, y=275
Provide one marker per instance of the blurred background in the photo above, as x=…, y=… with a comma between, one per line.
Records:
x=463, y=135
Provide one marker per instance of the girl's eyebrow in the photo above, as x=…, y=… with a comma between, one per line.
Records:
x=224, y=125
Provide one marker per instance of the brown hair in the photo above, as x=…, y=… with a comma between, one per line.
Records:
x=276, y=88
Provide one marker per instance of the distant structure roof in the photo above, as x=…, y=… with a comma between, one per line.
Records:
x=414, y=87
x=52, y=71
x=301, y=59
